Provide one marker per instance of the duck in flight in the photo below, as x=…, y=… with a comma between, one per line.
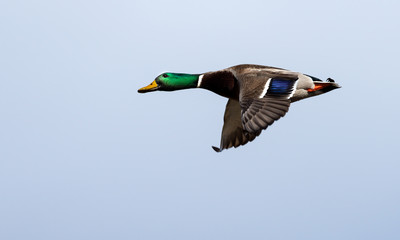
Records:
x=257, y=96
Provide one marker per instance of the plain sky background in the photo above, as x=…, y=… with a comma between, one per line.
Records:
x=84, y=156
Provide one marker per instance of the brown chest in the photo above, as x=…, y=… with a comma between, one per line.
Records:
x=222, y=83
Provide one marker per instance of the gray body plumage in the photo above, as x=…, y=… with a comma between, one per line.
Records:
x=258, y=96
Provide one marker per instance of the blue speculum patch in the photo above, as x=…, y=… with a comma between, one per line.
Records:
x=281, y=86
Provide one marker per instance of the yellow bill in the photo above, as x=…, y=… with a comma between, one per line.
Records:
x=151, y=87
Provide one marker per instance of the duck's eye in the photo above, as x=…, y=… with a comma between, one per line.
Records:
x=165, y=75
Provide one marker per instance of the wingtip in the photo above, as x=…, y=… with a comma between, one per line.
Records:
x=216, y=149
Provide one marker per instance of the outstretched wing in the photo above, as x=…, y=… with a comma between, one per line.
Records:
x=264, y=97
x=232, y=131
x=267, y=102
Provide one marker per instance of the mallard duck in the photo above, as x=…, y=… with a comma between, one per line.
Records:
x=257, y=96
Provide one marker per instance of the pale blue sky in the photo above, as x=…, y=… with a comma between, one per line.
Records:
x=84, y=156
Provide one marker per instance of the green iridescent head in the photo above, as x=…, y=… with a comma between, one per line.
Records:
x=171, y=81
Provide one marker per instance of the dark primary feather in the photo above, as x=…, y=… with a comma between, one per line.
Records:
x=232, y=131
x=263, y=112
